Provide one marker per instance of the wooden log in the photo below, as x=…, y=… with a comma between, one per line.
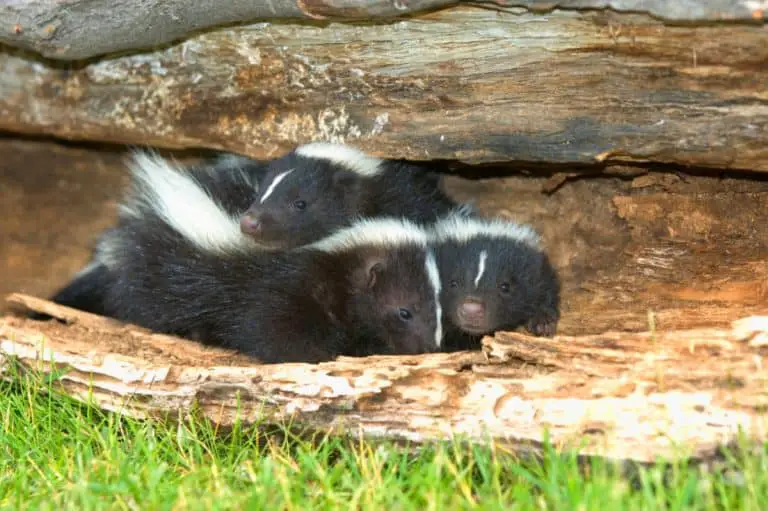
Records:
x=617, y=395
x=76, y=29
x=465, y=84
x=690, y=249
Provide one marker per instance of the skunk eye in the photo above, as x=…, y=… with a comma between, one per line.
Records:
x=405, y=314
x=453, y=283
x=299, y=204
x=504, y=287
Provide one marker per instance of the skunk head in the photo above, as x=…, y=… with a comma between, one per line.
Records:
x=495, y=277
x=308, y=194
x=393, y=284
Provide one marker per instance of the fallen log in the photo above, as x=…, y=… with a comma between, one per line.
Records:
x=467, y=84
x=623, y=396
x=76, y=29
x=691, y=249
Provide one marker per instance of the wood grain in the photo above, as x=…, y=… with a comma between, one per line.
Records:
x=466, y=84
x=78, y=29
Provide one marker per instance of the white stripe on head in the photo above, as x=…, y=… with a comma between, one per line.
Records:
x=349, y=157
x=273, y=184
x=378, y=232
x=481, y=267
x=434, y=278
x=177, y=199
x=463, y=229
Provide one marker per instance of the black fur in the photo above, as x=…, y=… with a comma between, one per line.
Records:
x=335, y=196
x=86, y=290
x=232, y=180
x=304, y=305
x=531, y=301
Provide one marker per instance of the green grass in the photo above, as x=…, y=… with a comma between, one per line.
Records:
x=58, y=454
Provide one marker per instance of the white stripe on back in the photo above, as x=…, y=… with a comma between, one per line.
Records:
x=457, y=227
x=273, y=184
x=481, y=267
x=177, y=198
x=378, y=232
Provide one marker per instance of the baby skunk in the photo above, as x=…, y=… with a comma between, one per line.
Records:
x=177, y=263
x=495, y=277
x=319, y=187
x=368, y=289
x=225, y=184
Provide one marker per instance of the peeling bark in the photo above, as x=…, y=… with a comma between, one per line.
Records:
x=618, y=395
x=482, y=87
x=78, y=29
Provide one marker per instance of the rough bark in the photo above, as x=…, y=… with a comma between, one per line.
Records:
x=617, y=395
x=466, y=83
x=78, y=29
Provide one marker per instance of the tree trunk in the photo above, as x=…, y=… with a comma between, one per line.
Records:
x=467, y=84
x=618, y=395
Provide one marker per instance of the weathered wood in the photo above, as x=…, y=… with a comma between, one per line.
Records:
x=465, y=83
x=691, y=249
x=77, y=29
x=618, y=395
x=663, y=250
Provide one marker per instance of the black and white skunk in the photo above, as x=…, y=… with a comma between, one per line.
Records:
x=178, y=263
x=223, y=187
x=320, y=187
x=494, y=277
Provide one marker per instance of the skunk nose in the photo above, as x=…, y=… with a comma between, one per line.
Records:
x=472, y=311
x=250, y=224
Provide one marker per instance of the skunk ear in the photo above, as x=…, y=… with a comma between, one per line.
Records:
x=375, y=269
x=369, y=272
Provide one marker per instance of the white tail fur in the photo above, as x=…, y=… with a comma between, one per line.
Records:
x=179, y=201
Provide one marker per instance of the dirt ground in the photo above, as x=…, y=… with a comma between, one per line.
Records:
x=687, y=250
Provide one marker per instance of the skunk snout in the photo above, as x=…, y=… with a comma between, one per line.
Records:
x=251, y=224
x=472, y=314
